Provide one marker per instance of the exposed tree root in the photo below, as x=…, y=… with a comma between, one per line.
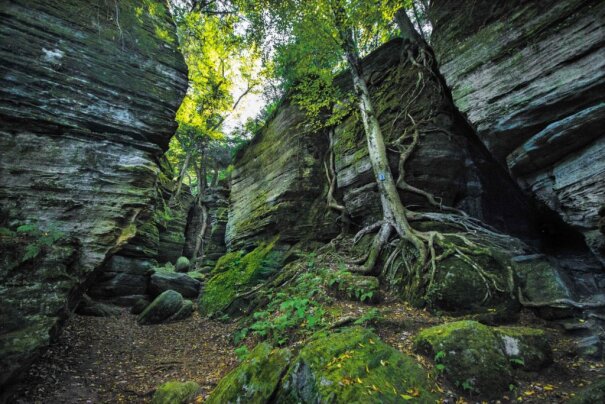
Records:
x=559, y=303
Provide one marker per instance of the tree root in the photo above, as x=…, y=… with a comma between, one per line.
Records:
x=559, y=303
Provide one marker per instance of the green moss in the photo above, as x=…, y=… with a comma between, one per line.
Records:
x=175, y=393
x=254, y=380
x=528, y=348
x=471, y=354
x=235, y=272
x=354, y=365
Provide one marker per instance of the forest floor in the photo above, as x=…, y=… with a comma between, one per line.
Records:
x=114, y=360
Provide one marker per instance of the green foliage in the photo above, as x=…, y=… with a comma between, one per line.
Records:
x=296, y=310
x=439, y=356
x=517, y=361
x=241, y=352
x=36, y=239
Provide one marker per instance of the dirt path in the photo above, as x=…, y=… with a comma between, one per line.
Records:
x=99, y=360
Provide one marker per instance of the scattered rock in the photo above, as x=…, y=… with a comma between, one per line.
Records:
x=182, y=264
x=166, y=307
x=175, y=393
x=88, y=307
x=162, y=281
x=255, y=380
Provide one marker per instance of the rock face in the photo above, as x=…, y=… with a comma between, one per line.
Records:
x=530, y=76
x=278, y=185
x=88, y=94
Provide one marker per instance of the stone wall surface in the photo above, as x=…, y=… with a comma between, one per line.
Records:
x=530, y=76
x=88, y=95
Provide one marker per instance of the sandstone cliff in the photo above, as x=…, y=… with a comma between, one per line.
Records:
x=88, y=94
x=530, y=76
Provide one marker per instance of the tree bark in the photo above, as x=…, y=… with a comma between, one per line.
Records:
x=180, y=179
x=408, y=32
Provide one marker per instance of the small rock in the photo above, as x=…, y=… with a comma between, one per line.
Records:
x=182, y=264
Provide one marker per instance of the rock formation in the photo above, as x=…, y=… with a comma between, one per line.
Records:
x=530, y=76
x=88, y=94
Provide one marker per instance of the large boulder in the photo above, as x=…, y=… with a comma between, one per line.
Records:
x=184, y=284
x=88, y=96
x=479, y=359
x=168, y=306
x=354, y=365
x=255, y=380
x=339, y=366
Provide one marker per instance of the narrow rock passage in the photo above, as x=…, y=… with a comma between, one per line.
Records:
x=116, y=360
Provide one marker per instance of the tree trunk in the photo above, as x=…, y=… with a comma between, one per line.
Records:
x=180, y=179
x=408, y=32
x=393, y=209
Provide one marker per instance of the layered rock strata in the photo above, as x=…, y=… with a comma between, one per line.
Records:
x=88, y=94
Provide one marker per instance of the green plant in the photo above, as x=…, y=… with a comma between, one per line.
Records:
x=38, y=239
x=440, y=367
x=241, y=352
x=517, y=361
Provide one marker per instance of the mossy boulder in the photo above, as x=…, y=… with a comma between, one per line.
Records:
x=480, y=358
x=460, y=288
x=471, y=354
x=255, y=380
x=175, y=393
x=166, y=307
x=525, y=347
x=594, y=393
x=236, y=272
x=354, y=365
x=182, y=264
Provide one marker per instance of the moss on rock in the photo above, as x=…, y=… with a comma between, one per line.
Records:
x=175, y=393
x=236, y=272
x=471, y=354
x=354, y=365
x=526, y=347
x=480, y=358
x=254, y=380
